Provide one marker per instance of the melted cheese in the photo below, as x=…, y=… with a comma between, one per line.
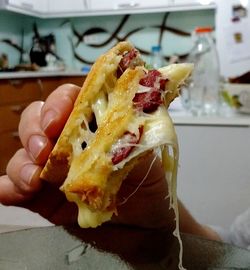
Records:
x=100, y=107
x=86, y=216
x=158, y=132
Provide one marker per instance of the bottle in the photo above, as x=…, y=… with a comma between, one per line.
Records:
x=204, y=83
x=156, y=60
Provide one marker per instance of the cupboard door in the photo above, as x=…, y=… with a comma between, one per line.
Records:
x=101, y=5
x=58, y=6
x=214, y=175
x=9, y=143
x=191, y=2
x=16, y=91
x=126, y=4
x=10, y=116
x=140, y=4
x=14, y=97
x=40, y=6
x=50, y=84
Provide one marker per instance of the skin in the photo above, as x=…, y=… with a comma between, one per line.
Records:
x=40, y=125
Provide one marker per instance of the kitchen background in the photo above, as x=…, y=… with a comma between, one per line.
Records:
x=80, y=40
x=214, y=152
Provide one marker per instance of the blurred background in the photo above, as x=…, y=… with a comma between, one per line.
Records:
x=47, y=43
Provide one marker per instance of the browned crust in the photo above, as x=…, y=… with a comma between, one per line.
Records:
x=90, y=173
x=56, y=168
x=96, y=175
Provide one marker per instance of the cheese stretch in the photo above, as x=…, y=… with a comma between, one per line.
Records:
x=158, y=134
x=118, y=119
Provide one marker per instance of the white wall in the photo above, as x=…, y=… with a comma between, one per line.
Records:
x=214, y=173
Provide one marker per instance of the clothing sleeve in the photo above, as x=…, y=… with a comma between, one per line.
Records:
x=239, y=232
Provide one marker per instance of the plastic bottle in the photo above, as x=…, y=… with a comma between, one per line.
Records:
x=156, y=60
x=204, y=84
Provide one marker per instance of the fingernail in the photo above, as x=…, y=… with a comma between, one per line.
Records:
x=27, y=172
x=48, y=118
x=36, y=144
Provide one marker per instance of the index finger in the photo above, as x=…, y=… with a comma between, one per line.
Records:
x=57, y=109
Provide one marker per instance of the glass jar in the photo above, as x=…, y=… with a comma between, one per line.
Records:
x=156, y=58
x=204, y=83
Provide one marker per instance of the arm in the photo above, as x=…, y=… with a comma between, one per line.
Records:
x=189, y=225
x=41, y=123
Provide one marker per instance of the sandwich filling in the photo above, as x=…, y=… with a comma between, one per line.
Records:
x=130, y=119
x=119, y=117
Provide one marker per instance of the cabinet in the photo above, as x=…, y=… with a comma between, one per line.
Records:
x=15, y=95
x=37, y=6
x=214, y=176
x=96, y=5
x=57, y=8
x=73, y=6
x=191, y=2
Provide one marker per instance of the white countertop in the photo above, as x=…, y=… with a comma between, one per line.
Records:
x=186, y=118
x=45, y=73
x=227, y=117
x=178, y=114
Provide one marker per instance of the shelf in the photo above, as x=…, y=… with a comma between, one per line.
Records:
x=35, y=74
x=88, y=13
x=186, y=118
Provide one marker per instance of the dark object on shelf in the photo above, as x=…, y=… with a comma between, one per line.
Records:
x=4, y=61
x=244, y=78
x=41, y=47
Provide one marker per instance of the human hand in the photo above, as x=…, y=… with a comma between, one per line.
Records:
x=40, y=125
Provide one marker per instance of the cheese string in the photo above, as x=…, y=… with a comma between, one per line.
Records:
x=140, y=184
x=172, y=190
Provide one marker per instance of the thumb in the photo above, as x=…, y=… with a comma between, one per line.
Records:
x=57, y=109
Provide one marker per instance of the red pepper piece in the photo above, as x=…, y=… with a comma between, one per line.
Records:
x=150, y=79
x=122, y=152
x=148, y=101
x=125, y=62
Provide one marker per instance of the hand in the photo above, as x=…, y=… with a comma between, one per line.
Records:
x=141, y=202
x=40, y=125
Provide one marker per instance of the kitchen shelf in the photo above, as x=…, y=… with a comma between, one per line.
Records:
x=134, y=11
x=89, y=12
x=36, y=74
x=234, y=119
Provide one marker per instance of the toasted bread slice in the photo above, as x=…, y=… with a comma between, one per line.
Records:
x=109, y=131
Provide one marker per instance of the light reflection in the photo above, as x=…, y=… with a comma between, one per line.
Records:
x=244, y=3
x=205, y=2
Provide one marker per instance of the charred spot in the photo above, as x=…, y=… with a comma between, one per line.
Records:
x=93, y=124
x=83, y=145
x=83, y=126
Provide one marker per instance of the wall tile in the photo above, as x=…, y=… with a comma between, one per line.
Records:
x=148, y=32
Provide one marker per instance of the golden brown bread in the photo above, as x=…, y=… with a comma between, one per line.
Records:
x=103, y=113
x=102, y=75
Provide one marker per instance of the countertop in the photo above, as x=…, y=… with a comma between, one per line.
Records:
x=183, y=117
x=178, y=114
x=226, y=117
x=44, y=73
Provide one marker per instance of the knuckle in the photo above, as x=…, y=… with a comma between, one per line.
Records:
x=14, y=161
x=31, y=107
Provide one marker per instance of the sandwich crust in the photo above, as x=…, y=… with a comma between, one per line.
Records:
x=104, y=121
x=101, y=79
